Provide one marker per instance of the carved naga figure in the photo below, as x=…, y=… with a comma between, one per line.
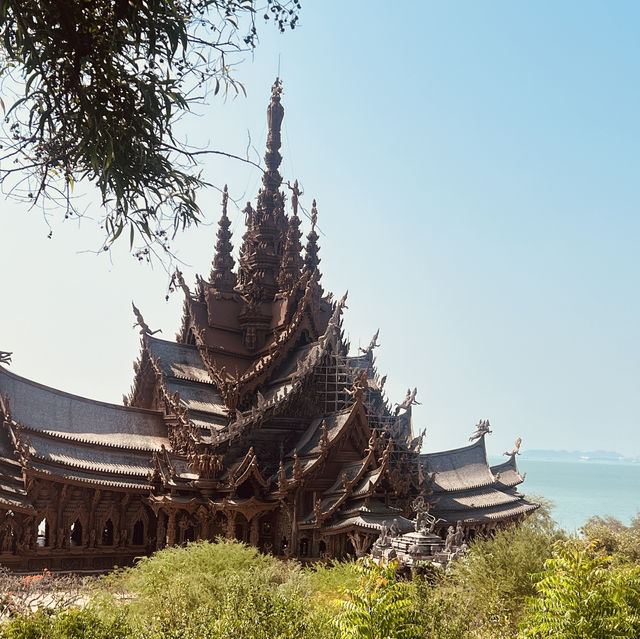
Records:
x=408, y=401
x=483, y=427
x=516, y=448
x=372, y=344
x=5, y=357
x=144, y=327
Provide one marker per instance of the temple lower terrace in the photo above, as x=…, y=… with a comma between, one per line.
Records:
x=257, y=424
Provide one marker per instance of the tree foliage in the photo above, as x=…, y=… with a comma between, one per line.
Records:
x=580, y=596
x=93, y=89
x=612, y=537
x=380, y=608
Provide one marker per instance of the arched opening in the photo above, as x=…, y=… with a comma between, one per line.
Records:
x=240, y=536
x=322, y=548
x=42, y=534
x=191, y=338
x=189, y=534
x=349, y=550
x=138, y=533
x=245, y=491
x=75, y=539
x=304, y=547
x=107, y=533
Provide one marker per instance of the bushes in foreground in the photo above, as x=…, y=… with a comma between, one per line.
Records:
x=524, y=583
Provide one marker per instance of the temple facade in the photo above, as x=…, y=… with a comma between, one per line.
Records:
x=257, y=423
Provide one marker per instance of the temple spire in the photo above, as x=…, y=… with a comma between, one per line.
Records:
x=275, y=113
x=263, y=245
x=311, y=259
x=292, y=263
x=222, y=276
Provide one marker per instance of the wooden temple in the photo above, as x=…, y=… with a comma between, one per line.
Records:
x=255, y=424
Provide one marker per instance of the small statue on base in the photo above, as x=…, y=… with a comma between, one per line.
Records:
x=450, y=540
x=458, y=538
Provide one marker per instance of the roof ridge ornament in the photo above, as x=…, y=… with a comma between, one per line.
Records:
x=372, y=344
x=144, y=327
x=483, y=427
x=408, y=401
x=5, y=357
x=516, y=448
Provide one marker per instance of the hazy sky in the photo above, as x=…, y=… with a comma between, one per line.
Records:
x=477, y=170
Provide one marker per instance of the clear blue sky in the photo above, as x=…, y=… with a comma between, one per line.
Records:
x=477, y=170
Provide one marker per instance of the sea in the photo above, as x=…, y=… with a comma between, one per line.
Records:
x=581, y=489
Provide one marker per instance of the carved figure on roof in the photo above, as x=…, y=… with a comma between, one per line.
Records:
x=144, y=327
x=458, y=538
x=178, y=279
x=483, y=427
x=516, y=448
x=394, y=529
x=5, y=357
x=372, y=344
x=297, y=467
x=360, y=384
x=408, y=401
x=416, y=443
x=372, y=445
x=324, y=438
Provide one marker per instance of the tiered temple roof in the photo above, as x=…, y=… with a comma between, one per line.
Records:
x=256, y=423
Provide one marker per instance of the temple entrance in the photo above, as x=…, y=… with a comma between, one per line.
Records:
x=42, y=535
x=75, y=539
x=107, y=533
x=189, y=534
x=138, y=533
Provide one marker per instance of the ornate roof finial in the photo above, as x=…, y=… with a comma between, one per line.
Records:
x=311, y=259
x=275, y=113
x=222, y=276
x=5, y=357
x=516, y=448
x=372, y=344
x=144, y=327
x=483, y=427
x=292, y=262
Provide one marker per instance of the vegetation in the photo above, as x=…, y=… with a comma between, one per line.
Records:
x=92, y=90
x=581, y=595
x=526, y=582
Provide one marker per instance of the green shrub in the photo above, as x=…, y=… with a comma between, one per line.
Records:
x=380, y=608
x=82, y=623
x=581, y=596
x=440, y=610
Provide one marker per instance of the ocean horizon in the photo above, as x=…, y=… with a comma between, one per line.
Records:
x=582, y=489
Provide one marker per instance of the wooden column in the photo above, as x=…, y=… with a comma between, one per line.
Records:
x=254, y=533
x=231, y=524
x=171, y=529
